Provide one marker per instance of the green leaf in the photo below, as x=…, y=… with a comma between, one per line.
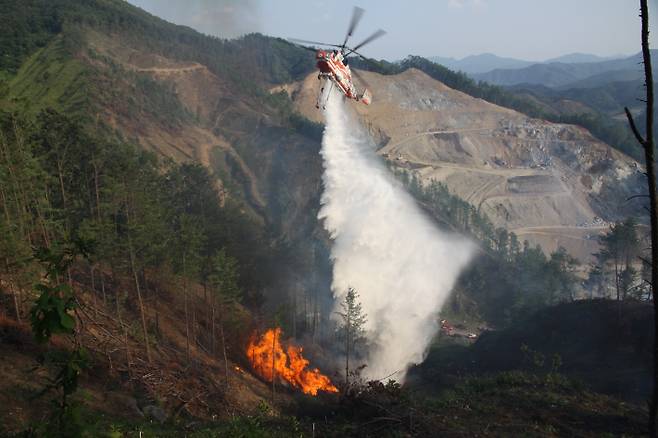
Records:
x=67, y=322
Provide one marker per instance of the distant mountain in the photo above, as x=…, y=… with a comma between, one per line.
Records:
x=480, y=63
x=605, y=78
x=607, y=98
x=559, y=74
x=579, y=58
x=486, y=62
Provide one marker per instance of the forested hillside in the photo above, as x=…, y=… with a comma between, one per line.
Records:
x=155, y=257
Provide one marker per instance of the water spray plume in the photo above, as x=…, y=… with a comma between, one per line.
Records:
x=385, y=247
x=269, y=360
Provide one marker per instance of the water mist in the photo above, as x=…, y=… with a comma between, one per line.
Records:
x=385, y=247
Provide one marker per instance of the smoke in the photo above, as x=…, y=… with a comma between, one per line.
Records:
x=385, y=247
x=223, y=18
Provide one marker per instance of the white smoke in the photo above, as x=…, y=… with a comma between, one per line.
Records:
x=222, y=18
x=385, y=247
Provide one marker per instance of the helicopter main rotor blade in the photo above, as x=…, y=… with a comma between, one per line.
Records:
x=357, y=14
x=295, y=40
x=371, y=38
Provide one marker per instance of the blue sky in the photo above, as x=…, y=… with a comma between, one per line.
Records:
x=527, y=29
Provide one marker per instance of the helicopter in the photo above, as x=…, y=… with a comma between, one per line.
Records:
x=333, y=64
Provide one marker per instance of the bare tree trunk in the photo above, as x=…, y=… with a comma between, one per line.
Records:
x=102, y=277
x=17, y=300
x=221, y=333
x=156, y=309
x=347, y=352
x=125, y=334
x=67, y=224
x=316, y=320
x=208, y=302
x=141, y=303
x=187, y=312
x=14, y=293
x=648, y=146
x=20, y=209
x=194, y=323
x=133, y=268
x=305, y=320
x=212, y=325
x=61, y=185
x=25, y=209
x=273, y=371
x=99, y=219
x=617, y=279
x=294, y=313
x=93, y=288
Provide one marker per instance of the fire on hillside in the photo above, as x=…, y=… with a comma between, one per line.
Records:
x=269, y=359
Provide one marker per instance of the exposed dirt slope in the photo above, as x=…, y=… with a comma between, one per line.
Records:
x=209, y=120
x=553, y=184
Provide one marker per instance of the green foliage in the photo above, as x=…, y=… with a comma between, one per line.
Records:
x=51, y=313
x=620, y=249
x=224, y=277
x=537, y=360
x=351, y=332
x=352, y=329
x=51, y=78
x=621, y=243
x=62, y=183
x=30, y=25
x=450, y=209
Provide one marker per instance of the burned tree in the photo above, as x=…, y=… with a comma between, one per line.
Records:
x=647, y=144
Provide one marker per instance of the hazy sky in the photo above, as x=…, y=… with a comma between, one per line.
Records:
x=527, y=29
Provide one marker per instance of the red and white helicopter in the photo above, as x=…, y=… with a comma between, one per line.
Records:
x=333, y=64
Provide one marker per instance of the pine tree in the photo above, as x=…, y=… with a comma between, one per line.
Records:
x=223, y=280
x=352, y=329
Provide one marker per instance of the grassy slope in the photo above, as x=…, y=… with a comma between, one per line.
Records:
x=51, y=78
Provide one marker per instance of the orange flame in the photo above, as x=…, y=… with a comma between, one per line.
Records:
x=267, y=355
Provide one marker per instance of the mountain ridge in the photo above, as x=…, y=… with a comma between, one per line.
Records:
x=486, y=62
x=558, y=74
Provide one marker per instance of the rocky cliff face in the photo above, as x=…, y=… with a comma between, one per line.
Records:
x=552, y=184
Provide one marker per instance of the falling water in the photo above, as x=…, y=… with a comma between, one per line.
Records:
x=385, y=247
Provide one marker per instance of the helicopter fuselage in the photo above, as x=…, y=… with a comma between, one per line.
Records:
x=331, y=65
